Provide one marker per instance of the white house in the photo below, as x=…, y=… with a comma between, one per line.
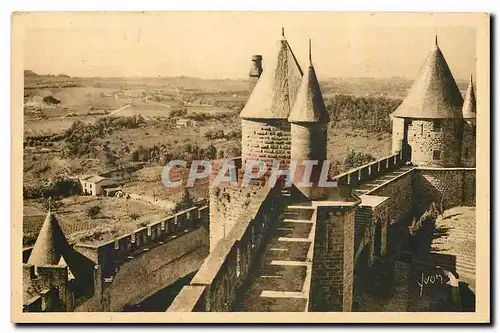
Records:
x=185, y=123
x=94, y=184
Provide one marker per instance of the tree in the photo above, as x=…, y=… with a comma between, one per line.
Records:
x=93, y=211
x=211, y=152
x=108, y=157
x=370, y=112
x=221, y=154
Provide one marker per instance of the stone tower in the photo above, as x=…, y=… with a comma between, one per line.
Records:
x=255, y=69
x=469, y=130
x=309, y=120
x=427, y=125
x=265, y=128
x=47, y=275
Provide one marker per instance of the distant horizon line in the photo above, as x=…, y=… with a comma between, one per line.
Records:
x=219, y=78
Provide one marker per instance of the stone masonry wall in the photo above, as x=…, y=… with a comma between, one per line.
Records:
x=469, y=191
x=48, y=278
x=424, y=140
x=265, y=140
x=452, y=187
x=333, y=260
x=380, y=213
x=399, y=190
x=227, y=204
x=469, y=145
x=348, y=256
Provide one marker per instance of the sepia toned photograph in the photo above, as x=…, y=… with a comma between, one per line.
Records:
x=250, y=167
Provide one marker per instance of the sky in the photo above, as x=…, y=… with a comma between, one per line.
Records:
x=219, y=45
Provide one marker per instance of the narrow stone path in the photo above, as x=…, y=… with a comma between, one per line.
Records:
x=281, y=283
x=370, y=185
x=455, y=238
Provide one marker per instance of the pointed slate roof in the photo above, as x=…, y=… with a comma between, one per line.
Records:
x=50, y=243
x=309, y=106
x=469, y=107
x=434, y=93
x=276, y=89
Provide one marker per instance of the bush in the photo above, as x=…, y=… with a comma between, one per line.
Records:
x=185, y=202
x=424, y=225
x=178, y=113
x=355, y=159
x=51, y=100
x=93, y=211
x=215, y=134
x=134, y=216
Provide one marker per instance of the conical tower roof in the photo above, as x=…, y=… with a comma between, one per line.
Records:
x=309, y=106
x=276, y=89
x=469, y=107
x=434, y=94
x=50, y=243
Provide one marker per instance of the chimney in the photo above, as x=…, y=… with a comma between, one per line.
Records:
x=255, y=69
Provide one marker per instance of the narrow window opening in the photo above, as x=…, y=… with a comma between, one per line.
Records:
x=436, y=155
x=437, y=125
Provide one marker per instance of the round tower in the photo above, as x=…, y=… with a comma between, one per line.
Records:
x=469, y=130
x=255, y=69
x=427, y=125
x=309, y=120
x=265, y=128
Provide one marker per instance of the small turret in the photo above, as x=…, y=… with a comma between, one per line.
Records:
x=469, y=107
x=468, y=155
x=49, y=244
x=309, y=119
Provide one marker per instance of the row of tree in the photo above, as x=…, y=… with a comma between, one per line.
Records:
x=219, y=134
x=57, y=187
x=79, y=137
x=370, y=112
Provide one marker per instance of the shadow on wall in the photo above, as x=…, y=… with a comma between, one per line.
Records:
x=83, y=270
x=468, y=298
x=446, y=187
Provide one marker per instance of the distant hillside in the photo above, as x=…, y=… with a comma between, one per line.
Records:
x=34, y=80
x=29, y=72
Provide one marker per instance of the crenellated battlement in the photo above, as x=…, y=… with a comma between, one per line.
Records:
x=112, y=253
x=370, y=170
